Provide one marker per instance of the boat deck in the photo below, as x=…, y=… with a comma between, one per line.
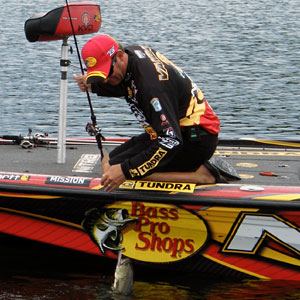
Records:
x=83, y=159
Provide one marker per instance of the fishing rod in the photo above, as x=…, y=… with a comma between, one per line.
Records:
x=91, y=128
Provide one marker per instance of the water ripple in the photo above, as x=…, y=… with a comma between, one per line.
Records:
x=244, y=55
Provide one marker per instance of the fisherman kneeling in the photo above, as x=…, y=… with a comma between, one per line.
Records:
x=181, y=129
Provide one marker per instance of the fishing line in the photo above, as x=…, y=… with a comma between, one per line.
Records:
x=96, y=130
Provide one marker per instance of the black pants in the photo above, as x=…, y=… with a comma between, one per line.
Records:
x=188, y=158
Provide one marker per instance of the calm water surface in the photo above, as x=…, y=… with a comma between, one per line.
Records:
x=98, y=287
x=244, y=55
x=53, y=275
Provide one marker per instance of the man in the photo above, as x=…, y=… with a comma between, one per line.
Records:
x=181, y=129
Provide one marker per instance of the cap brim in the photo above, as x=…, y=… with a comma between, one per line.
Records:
x=98, y=72
x=94, y=79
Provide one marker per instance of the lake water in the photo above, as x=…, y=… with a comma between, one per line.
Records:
x=244, y=55
x=44, y=272
x=98, y=288
x=40, y=276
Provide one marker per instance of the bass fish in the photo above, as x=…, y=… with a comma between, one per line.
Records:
x=124, y=281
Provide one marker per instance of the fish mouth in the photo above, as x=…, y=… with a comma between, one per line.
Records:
x=104, y=226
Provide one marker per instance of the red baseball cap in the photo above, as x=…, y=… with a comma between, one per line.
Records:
x=97, y=55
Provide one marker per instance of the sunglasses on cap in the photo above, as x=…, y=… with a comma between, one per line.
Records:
x=113, y=61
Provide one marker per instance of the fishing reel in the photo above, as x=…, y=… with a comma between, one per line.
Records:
x=93, y=130
x=28, y=141
x=31, y=141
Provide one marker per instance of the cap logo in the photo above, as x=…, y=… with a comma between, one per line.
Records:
x=111, y=51
x=90, y=61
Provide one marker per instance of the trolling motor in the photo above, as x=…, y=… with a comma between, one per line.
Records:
x=72, y=19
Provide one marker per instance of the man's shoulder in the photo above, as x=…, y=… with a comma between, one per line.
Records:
x=139, y=62
x=136, y=51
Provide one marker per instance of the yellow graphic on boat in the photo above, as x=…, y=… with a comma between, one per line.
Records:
x=163, y=233
x=158, y=186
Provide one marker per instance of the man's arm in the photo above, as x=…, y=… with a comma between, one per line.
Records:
x=81, y=81
x=112, y=178
x=101, y=89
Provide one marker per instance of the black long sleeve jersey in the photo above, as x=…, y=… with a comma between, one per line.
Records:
x=164, y=99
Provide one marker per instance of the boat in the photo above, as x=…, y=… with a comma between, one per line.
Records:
x=246, y=228
x=51, y=194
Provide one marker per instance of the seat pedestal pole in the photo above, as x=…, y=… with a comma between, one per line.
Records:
x=62, y=124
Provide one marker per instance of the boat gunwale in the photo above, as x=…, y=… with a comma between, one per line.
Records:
x=151, y=197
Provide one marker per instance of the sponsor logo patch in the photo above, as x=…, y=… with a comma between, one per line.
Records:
x=90, y=61
x=150, y=164
x=163, y=117
x=167, y=142
x=156, y=104
x=133, y=173
x=111, y=51
x=169, y=131
x=151, y=132
x=140, y=54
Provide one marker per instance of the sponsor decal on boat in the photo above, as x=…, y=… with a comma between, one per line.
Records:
x=165, y=186
x=255, y=153
x=68, y=180
x=162, y=233
x=251, y=230
x=158, y=186
x=14, y=177
x=239, y=235
x=104, y=226
x=86, y=163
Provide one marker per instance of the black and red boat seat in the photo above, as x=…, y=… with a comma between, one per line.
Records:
x=56, y=25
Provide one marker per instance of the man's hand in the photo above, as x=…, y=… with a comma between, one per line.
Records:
x=112, y=178
x=81, y=81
